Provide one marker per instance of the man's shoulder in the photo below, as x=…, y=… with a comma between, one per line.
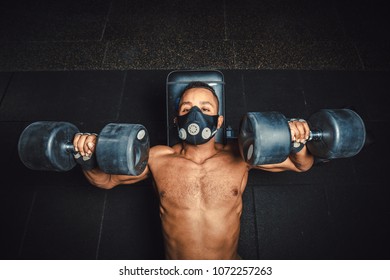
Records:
x=161, y=150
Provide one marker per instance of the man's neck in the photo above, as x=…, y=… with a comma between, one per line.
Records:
x=199, y=153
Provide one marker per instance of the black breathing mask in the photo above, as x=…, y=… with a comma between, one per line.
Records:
x=196, y=128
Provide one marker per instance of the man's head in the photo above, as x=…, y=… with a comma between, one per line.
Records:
x=198, y=118
x=201, y=92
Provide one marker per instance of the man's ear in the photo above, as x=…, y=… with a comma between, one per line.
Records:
x=220, y=122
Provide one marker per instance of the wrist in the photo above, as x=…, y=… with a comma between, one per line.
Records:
x=87, y=163
x=296, y=147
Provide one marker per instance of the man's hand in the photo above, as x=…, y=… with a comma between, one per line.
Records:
x=84, y=146
x=300, y=130
x=85, y=143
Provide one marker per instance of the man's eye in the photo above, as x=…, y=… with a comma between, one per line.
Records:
x=205, y=110
x=185, y=110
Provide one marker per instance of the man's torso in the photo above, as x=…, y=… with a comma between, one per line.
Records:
x=200, y=203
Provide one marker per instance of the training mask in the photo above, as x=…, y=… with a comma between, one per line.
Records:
x=195, y=127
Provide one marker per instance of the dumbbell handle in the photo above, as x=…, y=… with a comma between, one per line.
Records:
x=69, y=148
x=315, y=135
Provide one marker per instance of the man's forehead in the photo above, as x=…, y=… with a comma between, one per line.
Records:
x=180, y=99
x=203, y=93
x=201, y=103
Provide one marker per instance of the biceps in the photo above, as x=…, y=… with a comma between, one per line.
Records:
x=277, y=167
x=126, y=179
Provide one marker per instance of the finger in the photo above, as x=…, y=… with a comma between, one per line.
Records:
x=300, y=132
x=81, y=144
x=304, y=130
x=307, y=129
x=75, y=140
x=89, y=144
x=293, y=131
x=85, y=144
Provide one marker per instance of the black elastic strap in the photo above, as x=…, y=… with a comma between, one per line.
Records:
x=86, y=163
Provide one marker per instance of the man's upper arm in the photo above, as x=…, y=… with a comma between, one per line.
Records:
x=127, y=179
x=286, y=165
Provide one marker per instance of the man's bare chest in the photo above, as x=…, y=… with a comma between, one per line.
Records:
x=214, y=181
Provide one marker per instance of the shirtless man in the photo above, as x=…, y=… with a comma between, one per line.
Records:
x=200, y=186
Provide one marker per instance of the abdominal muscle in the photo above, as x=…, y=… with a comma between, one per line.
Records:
x=198, y=233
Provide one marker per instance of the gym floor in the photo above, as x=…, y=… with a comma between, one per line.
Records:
x=95, y=61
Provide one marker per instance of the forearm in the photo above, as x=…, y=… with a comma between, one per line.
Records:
x=99, y=179
x=107, y=181
x=296, y=161
x=302, y=160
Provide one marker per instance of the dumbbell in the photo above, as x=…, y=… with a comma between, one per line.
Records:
x=265, y=137
x=120, y=148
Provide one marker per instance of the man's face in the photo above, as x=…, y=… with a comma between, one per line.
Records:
x=200, y=97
